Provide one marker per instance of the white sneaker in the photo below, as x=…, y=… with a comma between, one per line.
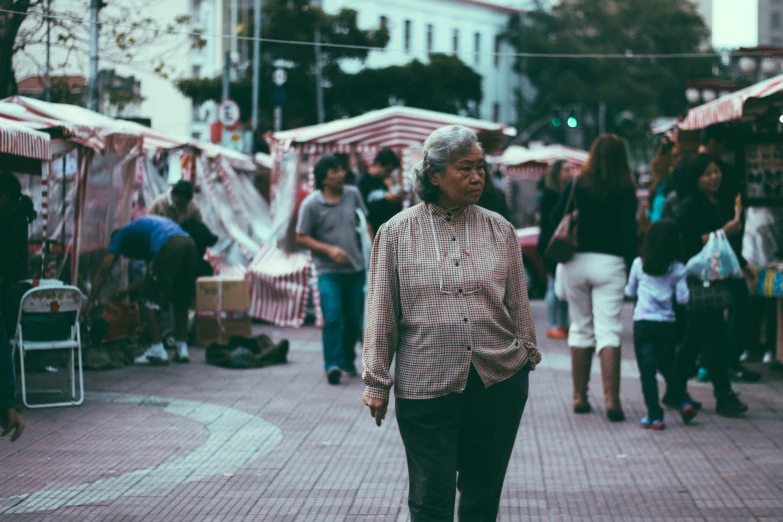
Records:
x=745, y=356
x=152, y=357
x=182, y=355
x=769, y=358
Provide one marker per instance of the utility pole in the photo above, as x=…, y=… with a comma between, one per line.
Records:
x=256, y=62
x=95, y=9
x=226, y=74
x=602, y=118
x=48, y=84
x=234, y=39
x=319, y=80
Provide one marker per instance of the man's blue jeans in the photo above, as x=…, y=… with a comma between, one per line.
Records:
x=342, y=303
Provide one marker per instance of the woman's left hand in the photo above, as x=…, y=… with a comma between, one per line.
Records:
x=750, y=277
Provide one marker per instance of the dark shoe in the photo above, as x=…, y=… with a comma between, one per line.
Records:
x=730, y=406
x=742, y=374
x=671, y=403
x=333, y=375
x=688, y=412
x=583, y=408
x=615, y=415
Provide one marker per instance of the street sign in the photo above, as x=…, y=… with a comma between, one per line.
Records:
x=279, y=77
x=228, y=113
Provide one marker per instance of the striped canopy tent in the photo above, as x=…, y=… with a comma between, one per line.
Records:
x=519, y=161
x=744, y=105
x=20, y=140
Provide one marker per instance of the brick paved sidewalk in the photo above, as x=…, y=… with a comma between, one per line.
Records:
x=198, y=443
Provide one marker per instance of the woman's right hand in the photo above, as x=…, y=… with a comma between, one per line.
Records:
x=733, y=227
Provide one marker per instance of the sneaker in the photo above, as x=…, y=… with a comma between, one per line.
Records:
x=647, y=424
x=769, y=358
x=688, y=412
x=730, y=406
x=350, y=371
x=745, y=357
x=182, y=355
x=742, y=374
x=152, y=357
x=675, y=405
x=703, y=375
x=333, y=375
x=557, y=333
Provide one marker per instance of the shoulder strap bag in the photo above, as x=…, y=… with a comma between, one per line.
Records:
x=564, y=243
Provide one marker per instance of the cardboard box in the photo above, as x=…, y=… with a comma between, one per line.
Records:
x=217, y=328
x=222, y=293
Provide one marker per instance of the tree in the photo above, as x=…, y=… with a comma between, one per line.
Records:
x=126, y=37
x=444, y=84
x=641, y=88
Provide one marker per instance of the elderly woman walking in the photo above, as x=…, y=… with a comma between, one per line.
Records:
x=447, y=297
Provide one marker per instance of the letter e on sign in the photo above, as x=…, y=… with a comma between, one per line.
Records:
x=228, y=113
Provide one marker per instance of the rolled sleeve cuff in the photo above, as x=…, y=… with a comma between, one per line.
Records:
x=374, y=392
x=533, y=357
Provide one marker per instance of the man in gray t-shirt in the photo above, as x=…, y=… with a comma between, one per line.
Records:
x=329, y=226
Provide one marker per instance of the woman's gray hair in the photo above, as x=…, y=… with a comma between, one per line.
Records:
x=442, y=147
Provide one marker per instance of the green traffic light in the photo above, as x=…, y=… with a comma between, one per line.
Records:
x=572, y=122
x=556, y=122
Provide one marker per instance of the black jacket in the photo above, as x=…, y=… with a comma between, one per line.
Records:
x=607, y=225
x=699, y=216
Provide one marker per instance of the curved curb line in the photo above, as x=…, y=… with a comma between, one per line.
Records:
x=235, y=439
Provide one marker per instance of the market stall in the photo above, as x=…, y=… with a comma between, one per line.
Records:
x=754, y=117
x=524, y=167
x=282, y=277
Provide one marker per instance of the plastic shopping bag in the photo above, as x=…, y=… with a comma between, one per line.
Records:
x=716, y=261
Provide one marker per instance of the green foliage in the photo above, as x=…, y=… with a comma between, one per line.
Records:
x=646, y=87
x=445, y=84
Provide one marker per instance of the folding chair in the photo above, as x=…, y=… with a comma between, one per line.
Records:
x=49, y=320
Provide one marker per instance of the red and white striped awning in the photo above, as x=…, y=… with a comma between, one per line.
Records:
x=390, y=127
x=20, y=140
x=515, y=156
x=733, y=106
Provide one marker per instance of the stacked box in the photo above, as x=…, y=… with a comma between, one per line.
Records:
x=222, y=309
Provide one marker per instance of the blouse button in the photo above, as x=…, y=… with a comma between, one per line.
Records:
x=456, y=264
x=453, y=238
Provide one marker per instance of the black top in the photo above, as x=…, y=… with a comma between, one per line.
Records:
x=606, y=225
x=546, y=205
x=373, y=190
x=13, y=253
x=494, y=199
x=699, y=216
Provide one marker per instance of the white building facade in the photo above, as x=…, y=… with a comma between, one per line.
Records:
x=469, y=29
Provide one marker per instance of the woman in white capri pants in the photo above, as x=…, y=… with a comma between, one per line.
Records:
x=594, y=279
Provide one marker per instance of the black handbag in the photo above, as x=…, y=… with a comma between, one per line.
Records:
x=564, y=242
x=709, y=295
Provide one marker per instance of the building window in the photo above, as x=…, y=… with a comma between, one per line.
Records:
x=477, y=48
x=196, y=113
x=455, y=41
x=195, y=135
x=774, y=20
x=407, y=36
x=430, y=37
x=497, y=52
x=496, y=112
x=777, y=41
x=196, y=72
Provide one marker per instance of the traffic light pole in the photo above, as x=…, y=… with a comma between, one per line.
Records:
x=256, y=62
x=95, y=8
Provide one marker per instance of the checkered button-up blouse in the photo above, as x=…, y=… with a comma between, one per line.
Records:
x=446, y=290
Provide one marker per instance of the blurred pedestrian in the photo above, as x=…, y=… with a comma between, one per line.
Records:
x=327, y=226
x=493, y=198
x=555, y=180
x=447, y=300
x=657, y=280
x=701, y=214
x=170, y=279
x=382, y=196
x=605, y=196
x=11, y=419
x=178, y=204
x=662, y=184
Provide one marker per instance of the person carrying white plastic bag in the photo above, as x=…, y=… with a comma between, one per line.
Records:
x=716, y=261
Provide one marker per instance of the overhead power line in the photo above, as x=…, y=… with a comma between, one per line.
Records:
x=570, y=56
